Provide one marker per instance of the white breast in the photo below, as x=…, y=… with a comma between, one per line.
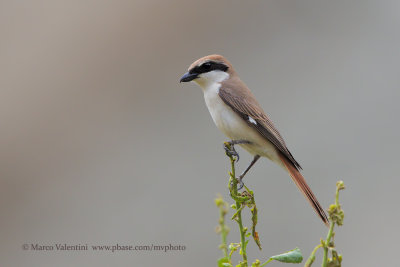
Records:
x=224, y=117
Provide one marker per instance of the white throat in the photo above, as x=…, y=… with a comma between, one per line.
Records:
x=211, y=79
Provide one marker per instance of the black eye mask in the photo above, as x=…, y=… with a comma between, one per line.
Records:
x=209, y=66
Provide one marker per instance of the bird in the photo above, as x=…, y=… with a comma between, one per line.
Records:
x=236, y=113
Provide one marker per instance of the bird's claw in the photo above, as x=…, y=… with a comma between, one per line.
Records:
x=239, y=183
x=231, y=151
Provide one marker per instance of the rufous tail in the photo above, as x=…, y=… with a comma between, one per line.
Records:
x=299, y=180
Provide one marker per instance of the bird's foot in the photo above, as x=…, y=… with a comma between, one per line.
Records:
x=231, y=151
x=239, y=183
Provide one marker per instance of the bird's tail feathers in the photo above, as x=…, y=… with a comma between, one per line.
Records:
x=299, y=180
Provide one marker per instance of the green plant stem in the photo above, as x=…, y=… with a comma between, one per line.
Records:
x=330, y=233
x=265, y=263
x=233, y=183
x=338, y=188
x=311, y=259
x=327, y=241
x=224, y=233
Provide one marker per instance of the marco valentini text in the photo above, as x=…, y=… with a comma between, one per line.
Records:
x=110, y=248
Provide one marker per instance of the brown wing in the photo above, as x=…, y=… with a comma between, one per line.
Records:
x=236, y=95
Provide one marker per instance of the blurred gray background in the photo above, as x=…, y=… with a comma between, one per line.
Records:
x=100, y=144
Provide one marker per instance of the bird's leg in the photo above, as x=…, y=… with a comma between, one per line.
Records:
x=230, y=151
x=241, y=184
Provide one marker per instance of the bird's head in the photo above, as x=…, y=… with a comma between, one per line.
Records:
x=208, y=70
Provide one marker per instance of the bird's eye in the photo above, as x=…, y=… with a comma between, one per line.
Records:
x=207, y=66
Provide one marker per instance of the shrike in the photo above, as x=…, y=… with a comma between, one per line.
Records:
x=238, y=115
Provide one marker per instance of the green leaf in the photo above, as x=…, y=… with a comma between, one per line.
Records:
x=224, y=262
x=293, y=256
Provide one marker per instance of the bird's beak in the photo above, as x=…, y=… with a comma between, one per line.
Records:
x=187, y=77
